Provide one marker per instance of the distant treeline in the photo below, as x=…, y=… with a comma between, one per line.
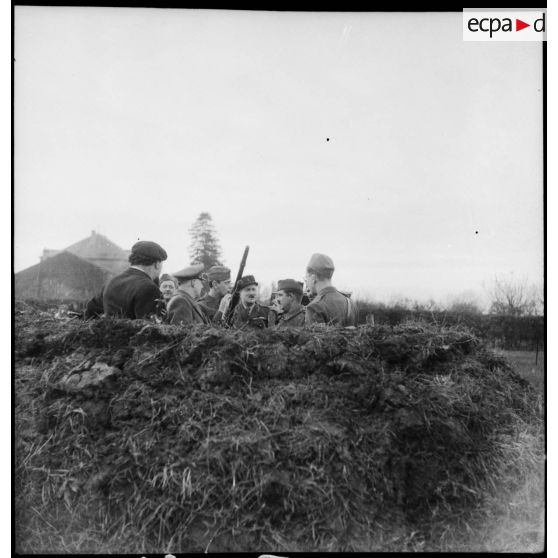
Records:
x=502, y=331
x=525, y=333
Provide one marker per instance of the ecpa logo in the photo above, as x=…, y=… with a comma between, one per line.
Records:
x=504, y=25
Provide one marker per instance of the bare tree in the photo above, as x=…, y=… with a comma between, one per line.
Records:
x=513, y=298
x=464, y=303
x=538, y=297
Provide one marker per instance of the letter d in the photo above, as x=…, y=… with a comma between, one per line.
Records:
x=537, y=21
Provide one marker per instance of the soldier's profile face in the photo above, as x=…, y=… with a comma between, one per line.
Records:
x=248, y=294
x=284, y=300
x=223, y=287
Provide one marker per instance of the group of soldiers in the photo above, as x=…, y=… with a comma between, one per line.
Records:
x=142, y=292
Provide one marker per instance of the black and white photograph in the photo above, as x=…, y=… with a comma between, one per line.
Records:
x=278, y=280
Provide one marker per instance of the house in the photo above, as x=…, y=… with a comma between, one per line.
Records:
x=76, y=273
x=97, y=249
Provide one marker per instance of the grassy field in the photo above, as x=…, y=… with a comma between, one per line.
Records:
x=518, y=523
x=529, y=365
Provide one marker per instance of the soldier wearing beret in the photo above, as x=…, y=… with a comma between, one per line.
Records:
x=183, y=308
x=289, y=297
x=133, y=294
x=329, y=306
x=219, y=278
x=248, y=312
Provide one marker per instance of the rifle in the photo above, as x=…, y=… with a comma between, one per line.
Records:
x=227, y=319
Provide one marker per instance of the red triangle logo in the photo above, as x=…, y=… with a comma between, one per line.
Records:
x=519, y=25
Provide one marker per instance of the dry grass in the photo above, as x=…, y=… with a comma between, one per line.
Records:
x=406, y=438
x=529, y=365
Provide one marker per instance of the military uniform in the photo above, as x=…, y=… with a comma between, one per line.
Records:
x=294, y=318
x=295, y=315
x=329, y=306
x=183, y=309
x=253, y=317
x=332, y=308
x=210, y=305
x=273, y=317
x=132, y=294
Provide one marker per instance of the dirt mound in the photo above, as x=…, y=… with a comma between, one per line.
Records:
x=229, y=440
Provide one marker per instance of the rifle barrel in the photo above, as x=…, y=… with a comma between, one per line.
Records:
x=236, y=290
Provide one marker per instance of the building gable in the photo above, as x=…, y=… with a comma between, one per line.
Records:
x=63, y=276
x=97, y=249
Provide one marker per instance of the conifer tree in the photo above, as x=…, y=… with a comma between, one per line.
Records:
x=205, y=248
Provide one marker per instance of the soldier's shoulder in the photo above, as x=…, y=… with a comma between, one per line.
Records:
x=316, y=300
x=317, y=306
x=147, y=285
x=333, y=293
x=339, y=294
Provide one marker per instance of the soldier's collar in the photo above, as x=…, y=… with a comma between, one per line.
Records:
x=328, y=289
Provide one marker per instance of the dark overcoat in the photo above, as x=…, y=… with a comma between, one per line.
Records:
x=132, y=294
x=255, y=316
x=183, y=309
x=210, y=305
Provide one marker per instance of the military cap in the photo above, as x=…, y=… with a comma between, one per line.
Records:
x=246, y=281
x=289, y=285
x=167, y=277
x=321, y=263
x=149, y=249
x=190, y=272
x=218, y=273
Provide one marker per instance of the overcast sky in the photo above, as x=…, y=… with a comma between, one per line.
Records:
x=133, y=121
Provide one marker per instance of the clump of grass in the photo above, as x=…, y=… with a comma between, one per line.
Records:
x=227, y=440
